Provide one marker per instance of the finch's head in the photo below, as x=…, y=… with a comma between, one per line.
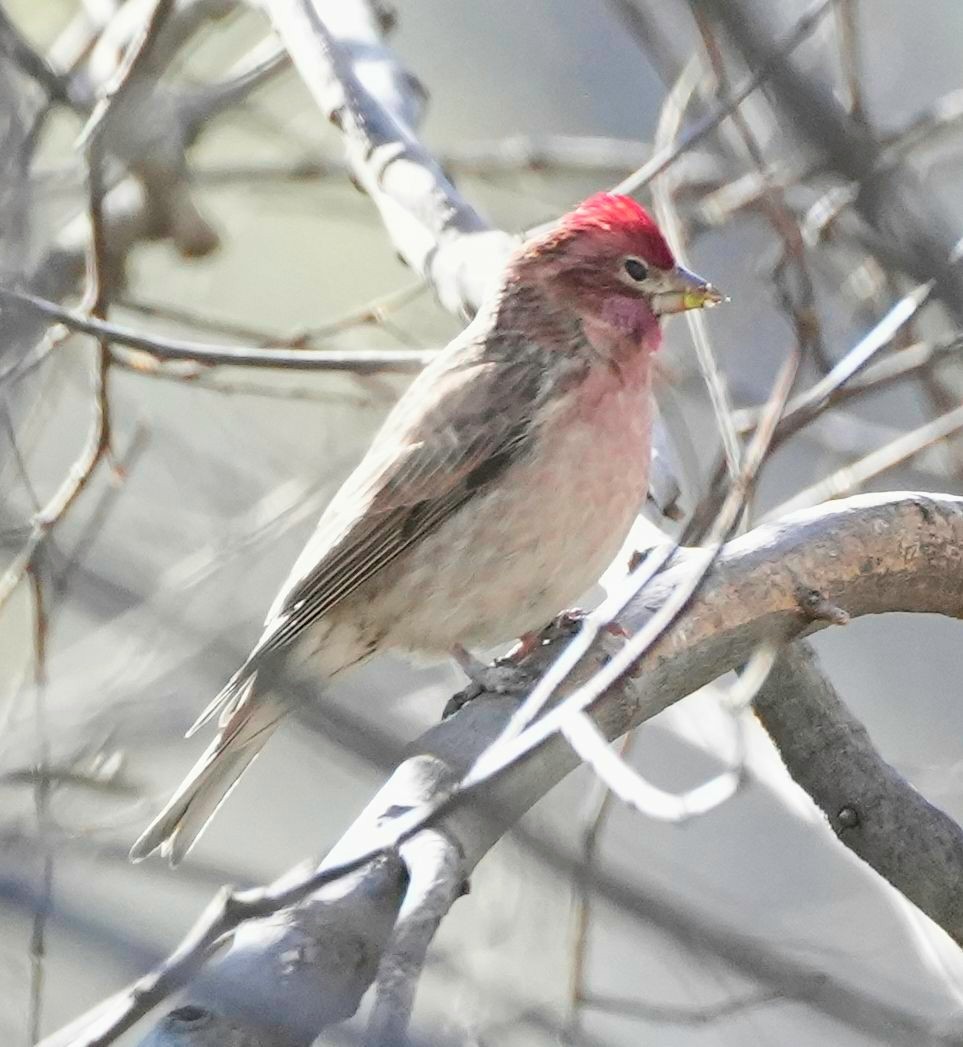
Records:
x=608, y=261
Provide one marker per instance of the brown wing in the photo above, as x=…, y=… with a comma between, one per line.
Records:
x=462, y=422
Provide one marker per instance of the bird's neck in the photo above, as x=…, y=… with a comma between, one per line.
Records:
x=526, y=308
x=613, y=327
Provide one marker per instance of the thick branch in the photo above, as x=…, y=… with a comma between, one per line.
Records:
x=430, y=224
x=873, y=810
x=867, y=555
x=436, y=881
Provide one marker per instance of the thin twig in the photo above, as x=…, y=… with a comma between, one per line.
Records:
x=847, y=23
x=41, y=794
x=97, y=445
x=939, y=117
x=778, y=213
x=662, y=1013
x=650, y=800
x=583, y=894
x=852, y=477
x=255, y=70
x=670, y=119
x=50, y=776
x=121, y=464
x=98, y=439
x=374, y=312
x=804, y=408
x=199, y=377
x=31, y=61
x=907, y=363
x=180, y=314
x=661, y=47
x=661, y=159
x=125, y=78
x=831, y=390
x=486, y=158
x=359, y=361
x=911, y=230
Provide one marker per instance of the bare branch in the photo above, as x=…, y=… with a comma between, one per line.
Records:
x=513, y=155
x=852, y=476
x=436, y=879
x=261, y=66
x=939, y=118
x=751, y=596
x=584, y=882
x=847, y=21
x=432, y=226
x=41, y=795
x=835, y=387
x=871, y=808
x=628, y=1007
x=662, y=159
x=137, y=58
x=912, y=231
x=666, y=133
x=31, y=61
x=359, y=361
x=804, y=408
x=97, y=445
x=780, y=216
x=648, y=799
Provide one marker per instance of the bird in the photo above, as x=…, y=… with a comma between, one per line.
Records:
x=498, y=489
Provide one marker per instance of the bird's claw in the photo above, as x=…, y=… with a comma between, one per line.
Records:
x=503, y=677
x=565, y=624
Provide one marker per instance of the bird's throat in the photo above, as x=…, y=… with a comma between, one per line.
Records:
x=621, y=328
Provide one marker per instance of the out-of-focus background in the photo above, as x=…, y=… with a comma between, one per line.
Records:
x=156, y=580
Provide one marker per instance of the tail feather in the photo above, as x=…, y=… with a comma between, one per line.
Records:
x=227, y=699
x=210, y=781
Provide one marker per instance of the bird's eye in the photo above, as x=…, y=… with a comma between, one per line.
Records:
x=636, y=269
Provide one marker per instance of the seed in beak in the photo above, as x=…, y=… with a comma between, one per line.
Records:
x=702, y=298
x=695, y=296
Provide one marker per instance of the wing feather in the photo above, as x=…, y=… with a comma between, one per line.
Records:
x=463, y=421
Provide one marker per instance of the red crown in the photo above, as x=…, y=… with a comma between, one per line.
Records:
x=622, y=214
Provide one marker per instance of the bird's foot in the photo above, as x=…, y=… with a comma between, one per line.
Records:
x=569, y=622
x=492, y=680
x=506, y=676
x=502, y=677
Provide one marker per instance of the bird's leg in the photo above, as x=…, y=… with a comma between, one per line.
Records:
x=527, y=643
x=471, y=666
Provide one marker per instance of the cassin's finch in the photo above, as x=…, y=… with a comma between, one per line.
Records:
x=496, y=492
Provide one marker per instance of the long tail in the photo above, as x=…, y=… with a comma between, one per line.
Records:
x=248, y=720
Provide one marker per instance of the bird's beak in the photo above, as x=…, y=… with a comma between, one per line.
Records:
x=684, y=290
